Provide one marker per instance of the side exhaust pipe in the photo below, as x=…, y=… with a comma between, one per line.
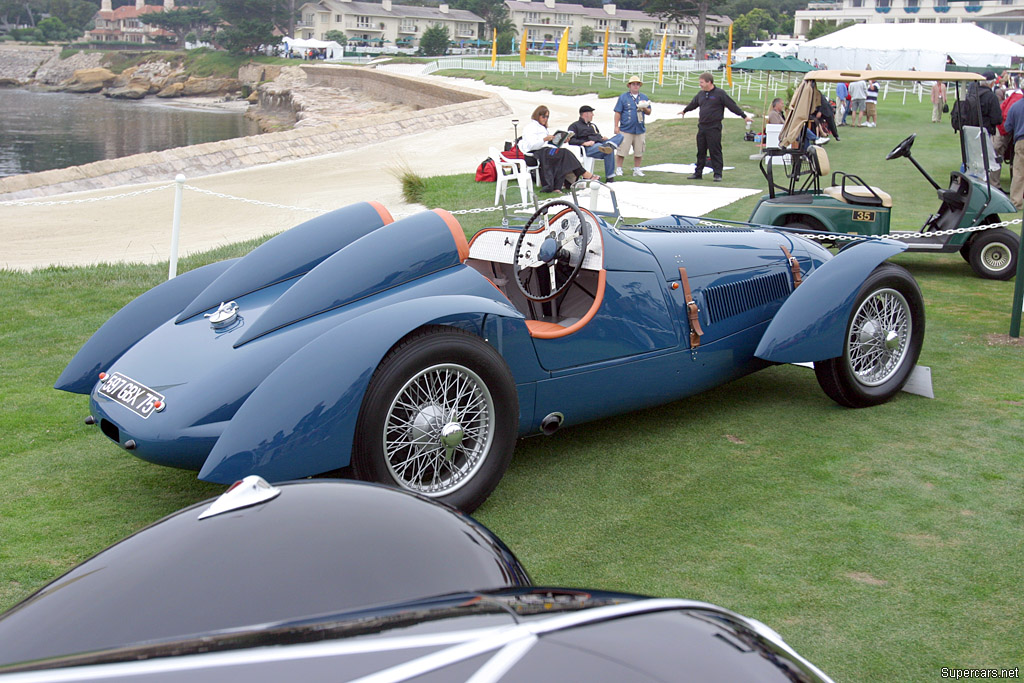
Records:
x=550, y=424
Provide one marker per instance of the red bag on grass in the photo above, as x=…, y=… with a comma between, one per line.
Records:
x=486, y=171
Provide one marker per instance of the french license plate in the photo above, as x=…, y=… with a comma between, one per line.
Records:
x=134, y=396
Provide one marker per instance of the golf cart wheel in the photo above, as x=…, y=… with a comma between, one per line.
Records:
x=439, y=418
x=883, y=341
x=993, y=254
x=806, y=223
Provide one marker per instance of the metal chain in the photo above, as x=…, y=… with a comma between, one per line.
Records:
x=827, y=236
x=840, y=236
x=65, y=202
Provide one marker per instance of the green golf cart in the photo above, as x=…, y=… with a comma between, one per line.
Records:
x=803, y=191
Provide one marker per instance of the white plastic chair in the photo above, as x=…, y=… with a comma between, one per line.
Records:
x=771, y=141
x=508, y=170
x=581, y=154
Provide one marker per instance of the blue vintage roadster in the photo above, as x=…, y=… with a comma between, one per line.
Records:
x=416, y=358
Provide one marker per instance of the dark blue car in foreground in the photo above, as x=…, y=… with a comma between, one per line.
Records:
x=398, y=349
x=331, y=580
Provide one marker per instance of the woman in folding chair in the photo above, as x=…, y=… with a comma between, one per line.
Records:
x=559, y=168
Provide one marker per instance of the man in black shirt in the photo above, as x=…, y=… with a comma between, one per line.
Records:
x=712, y=102
x=586, y=135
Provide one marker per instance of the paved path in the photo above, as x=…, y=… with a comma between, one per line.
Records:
x=137, y=228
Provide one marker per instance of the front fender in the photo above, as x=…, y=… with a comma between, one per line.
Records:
x=301, y=419
x=138, y=318
x=811, y=325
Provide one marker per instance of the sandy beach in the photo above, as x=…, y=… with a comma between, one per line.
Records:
x=117, y=225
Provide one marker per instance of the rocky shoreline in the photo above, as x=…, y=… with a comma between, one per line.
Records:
x=277, y=98
x=308, y=110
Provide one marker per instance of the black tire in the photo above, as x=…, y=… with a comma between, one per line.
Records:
x=804, y=225
x=993, y=254
x=874, y=365
x=481, y=432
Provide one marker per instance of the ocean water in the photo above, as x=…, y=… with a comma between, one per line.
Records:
x=42, y=130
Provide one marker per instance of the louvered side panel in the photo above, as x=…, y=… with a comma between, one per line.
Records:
x=725, y=301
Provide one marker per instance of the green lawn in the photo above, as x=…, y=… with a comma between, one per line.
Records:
x=882, y=543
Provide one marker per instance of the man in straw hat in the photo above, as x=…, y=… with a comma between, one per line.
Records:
x=630, y=110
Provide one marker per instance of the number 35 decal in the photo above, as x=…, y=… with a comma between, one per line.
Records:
x=863, y=215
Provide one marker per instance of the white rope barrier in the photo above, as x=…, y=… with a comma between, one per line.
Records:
x=179, y=185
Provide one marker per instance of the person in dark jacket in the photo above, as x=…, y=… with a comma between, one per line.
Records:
x=712, y=102
x=991, y=112
x=586, y=135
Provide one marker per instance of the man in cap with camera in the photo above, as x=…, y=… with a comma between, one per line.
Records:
x=630, y=110
x=596, y=146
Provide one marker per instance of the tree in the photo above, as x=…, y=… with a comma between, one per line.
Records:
x=246, y=35
x=435, y=40
x=587, y=34
x=823, y=28
x=493, y=12
x=646, y=36
x=691, y=11
x=21, y=11
x=505, y=41
x=76, y=14
x=337, y=36
x=53, y=29
x=754, y=25
x=180, y=22
x=278, y=13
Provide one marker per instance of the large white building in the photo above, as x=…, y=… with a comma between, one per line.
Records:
x=1002, y=17
x=543, y=21
x=384, y=23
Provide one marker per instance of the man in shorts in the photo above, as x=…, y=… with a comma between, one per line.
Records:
x=630, y=110
x=871, y=106
x=858, y=101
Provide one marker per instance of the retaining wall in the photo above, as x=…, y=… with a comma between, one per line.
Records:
x=442, y=106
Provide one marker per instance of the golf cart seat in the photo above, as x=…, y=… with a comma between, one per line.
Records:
x=857, y=192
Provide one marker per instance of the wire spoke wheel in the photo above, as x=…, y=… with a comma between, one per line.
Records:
x=440, y=418
x=438, y=429
x=879, y=337
x=884, y=335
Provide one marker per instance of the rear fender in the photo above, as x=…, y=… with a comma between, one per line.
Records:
x=301, y=419
x=133, y=322
x=811, y=325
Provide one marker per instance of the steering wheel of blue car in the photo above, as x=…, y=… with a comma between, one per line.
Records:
x=561, y=246
x=902, y=149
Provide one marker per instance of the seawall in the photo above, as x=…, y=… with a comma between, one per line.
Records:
x=437, y=107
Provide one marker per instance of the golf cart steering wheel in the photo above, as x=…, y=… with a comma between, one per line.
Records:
x=902, y=149
x=560, y=246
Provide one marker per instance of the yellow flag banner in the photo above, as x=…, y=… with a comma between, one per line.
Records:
x=728, y=59
x=606, y=52
x=563, y=52
x=522, y=50
x=661, y=60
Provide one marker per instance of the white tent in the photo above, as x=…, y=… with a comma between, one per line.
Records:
x=295, y=44
x=761, y=47
x=923, y=47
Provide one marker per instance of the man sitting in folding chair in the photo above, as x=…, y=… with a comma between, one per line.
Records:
x=595, y=145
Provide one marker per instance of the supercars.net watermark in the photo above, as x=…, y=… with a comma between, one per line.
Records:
x=956, y=674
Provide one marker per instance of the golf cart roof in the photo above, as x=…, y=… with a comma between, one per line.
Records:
x=844, y=75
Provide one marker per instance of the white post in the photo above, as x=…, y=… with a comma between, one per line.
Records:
x=179, y=184
x=595, y=189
